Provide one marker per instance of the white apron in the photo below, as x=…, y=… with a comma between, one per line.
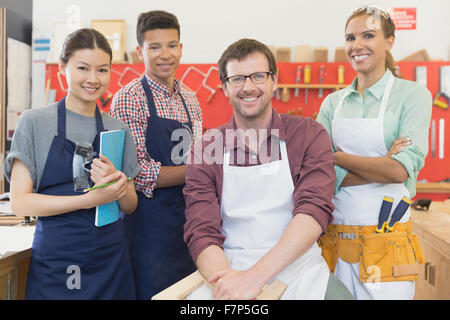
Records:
x=360, y=205
x=256, y=208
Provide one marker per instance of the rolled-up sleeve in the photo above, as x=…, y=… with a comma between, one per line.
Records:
x=415, y=123
x=22, y=148
x=126, y=106
x=325, y=118
x=340, y=175
x=314, y=187
x=203, y=225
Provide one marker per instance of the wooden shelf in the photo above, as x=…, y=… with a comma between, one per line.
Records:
x=312, y=86
x=308, y=86
x=433, y=187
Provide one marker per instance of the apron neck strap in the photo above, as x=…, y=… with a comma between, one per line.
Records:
x=283, y=152
x=98, y=120
x=151, y=101
x=340, y=103
x=62, y=118
x=384, y=100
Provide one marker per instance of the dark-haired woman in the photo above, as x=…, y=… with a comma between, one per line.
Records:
x=71, y=257
x=379, y=128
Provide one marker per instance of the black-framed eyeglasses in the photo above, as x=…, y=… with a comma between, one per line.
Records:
x=257, y=78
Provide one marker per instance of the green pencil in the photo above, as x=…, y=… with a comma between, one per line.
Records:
x=103, y=185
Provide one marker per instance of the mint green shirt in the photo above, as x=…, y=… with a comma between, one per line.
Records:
x=408, y=113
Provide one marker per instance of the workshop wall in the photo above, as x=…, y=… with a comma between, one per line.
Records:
x=208, y=26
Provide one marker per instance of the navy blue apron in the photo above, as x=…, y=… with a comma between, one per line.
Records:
x=159, y=254
x=71, y=257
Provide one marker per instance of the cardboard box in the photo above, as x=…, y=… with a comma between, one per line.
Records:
x=114, y=31
x=283, y=54
x=421, y=55
x=302, y=53
x=320, y=54
x=339, y=55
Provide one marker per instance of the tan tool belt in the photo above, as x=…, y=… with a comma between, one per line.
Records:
x=382, y=257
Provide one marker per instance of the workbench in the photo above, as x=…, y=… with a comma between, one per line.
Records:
x=432, y=227
x=433, y=230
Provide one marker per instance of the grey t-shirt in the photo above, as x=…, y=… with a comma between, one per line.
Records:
x=37, y=128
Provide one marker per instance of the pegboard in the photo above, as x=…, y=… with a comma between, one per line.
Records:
x=204, y=80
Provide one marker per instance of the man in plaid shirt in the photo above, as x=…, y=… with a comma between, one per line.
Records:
x=155, y=106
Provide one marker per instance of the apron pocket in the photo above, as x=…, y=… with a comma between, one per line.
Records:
x=329, y=251
x=376, y=257
x=348, y=249
x=387, y=257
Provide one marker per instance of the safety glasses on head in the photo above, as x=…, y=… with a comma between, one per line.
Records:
x=374, y=9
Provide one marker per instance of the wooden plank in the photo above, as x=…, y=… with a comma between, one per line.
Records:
x=182, y=288
x=307, y=86
x=283, y=54
x=10, y=220
x=434, y=187
x=312, y=86
x=302, y=53
x=274, y=291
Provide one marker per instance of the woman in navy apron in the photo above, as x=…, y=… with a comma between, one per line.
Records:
x=158, y=252
x=71, y=257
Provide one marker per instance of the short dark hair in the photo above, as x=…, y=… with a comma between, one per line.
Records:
x=156, y=19
x=240, y=50
x=85, y=38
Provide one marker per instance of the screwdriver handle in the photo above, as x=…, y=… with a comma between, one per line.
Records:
x=341, y=74
x=399, y=211
x=321, y=79
x=307, y=79
x=298, y=78
x=385, y=210
x=322, y=73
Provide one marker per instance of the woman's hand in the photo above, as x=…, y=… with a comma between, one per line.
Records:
x=101, y=168
x=399, y=144
x=110, y=193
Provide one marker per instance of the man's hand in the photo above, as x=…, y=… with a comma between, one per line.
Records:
x=232, y=284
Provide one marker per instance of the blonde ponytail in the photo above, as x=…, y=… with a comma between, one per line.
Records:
x=390, y=64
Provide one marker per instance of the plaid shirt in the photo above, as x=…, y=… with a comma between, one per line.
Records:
x=130, y=105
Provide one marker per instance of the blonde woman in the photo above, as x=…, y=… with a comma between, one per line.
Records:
x=379, y=129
